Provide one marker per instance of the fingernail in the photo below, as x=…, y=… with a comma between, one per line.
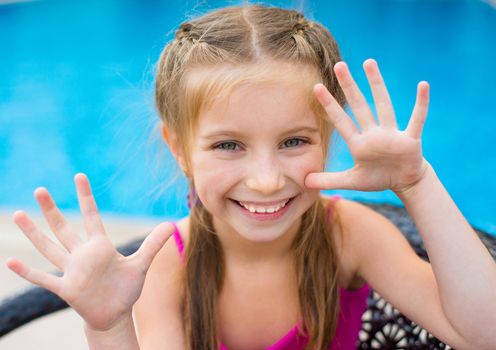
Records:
x=38, y=189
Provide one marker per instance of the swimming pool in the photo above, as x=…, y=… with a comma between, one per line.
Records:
x=76, y=95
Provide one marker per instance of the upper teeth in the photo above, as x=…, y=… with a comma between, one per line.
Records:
x=260, y=209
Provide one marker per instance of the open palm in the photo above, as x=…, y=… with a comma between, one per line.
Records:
x=97, y=282
x=384, y=157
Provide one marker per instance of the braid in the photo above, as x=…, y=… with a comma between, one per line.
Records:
x=186, y=32
x=301, y=24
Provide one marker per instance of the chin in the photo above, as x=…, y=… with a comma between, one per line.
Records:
x=262, y=235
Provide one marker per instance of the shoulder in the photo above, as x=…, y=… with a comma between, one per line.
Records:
x=370, y=239
x=372, y=242
x=383, y=257
x=157, y=311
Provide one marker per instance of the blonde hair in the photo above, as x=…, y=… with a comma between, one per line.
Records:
x=209, y=57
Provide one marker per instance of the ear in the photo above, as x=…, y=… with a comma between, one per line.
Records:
x=165, y=135
x=171, y=141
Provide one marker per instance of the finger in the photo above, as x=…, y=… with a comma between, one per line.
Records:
x=65, y=234
x=419, y=114
x=40, y=278
x=91, y=218
x=339, y=118
x=329, y=181
x=354, y=96
x=383, y=105
x=45, y=245
x=152, y=245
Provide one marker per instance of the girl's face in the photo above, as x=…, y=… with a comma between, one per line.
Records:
x=250, y=155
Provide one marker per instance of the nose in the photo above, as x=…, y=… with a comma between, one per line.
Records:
x=265, y=176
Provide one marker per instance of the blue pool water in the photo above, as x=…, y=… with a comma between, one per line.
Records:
x=76, y=95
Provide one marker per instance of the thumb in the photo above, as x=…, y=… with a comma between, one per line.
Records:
x=152, y=244
x=330, y=181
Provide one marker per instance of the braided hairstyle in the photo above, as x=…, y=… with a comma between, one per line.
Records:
x=209, y=56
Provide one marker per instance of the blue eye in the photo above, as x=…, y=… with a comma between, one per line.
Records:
x=226, y=146
x=294, y=142
x=231, y=146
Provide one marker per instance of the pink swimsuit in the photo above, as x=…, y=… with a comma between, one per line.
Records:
x=352, y=305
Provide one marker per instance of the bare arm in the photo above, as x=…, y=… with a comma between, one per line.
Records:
x=465, y=271
x=387, y=158
x=157, y=312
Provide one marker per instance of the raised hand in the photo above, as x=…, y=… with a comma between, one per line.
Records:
x=98, y=282
x=384, y=157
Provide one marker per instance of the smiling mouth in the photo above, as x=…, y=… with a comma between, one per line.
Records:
x=263, y=209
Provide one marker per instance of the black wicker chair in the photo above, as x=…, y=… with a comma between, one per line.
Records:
x=383, y=327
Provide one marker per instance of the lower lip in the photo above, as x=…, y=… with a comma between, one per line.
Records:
x=265, y=216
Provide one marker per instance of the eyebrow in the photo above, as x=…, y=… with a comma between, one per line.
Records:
x=238, y=134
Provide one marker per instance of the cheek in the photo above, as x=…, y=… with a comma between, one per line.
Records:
x=213, y=177
x=310, y=163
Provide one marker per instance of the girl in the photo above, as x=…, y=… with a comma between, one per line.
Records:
x=249, y=97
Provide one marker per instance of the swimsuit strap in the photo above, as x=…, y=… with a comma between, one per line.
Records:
x=179, y=241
